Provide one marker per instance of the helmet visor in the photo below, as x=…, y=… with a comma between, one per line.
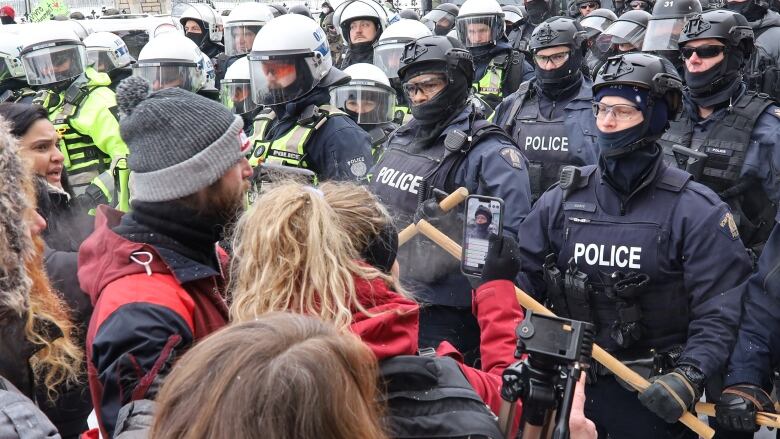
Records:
x=281, y=79
x=388, y=58
x=439, y=22
x=663, y=34
x=239, y=38
x=101, y=59
x=366, y=104
x=622, y=32
x=480, y=30
x=594, y=25
x=237, y=96
x=5, y=68
x=168, y=75
x=54, y=64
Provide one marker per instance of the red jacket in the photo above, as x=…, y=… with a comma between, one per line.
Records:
x=142, y=319
x=393, y=330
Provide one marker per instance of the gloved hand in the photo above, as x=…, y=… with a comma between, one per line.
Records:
x=501, y=262
x=672, y=394
x=430, y=211
x=737, y=407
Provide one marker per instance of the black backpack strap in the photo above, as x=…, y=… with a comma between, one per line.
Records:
x=522, y=94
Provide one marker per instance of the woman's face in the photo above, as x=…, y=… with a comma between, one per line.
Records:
x=40, y=145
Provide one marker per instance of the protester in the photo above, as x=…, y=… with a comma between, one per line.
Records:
x=155, y=275
x=329, y=384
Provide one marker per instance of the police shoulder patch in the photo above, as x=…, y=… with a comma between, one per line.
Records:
x=512, y=156
x=729, y=226
x=357, y=166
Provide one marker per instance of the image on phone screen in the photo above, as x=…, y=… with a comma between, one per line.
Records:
x=483, y=218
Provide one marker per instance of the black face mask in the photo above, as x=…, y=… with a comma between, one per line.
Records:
x=443, y=105
x=195, y=38
x=718, y=83
x=564, y=76
x=748, y=9
x=537, y=11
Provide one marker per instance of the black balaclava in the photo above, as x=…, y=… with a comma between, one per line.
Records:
x=558, y=81
x=718, y=83
x=198, y=39
x=483, y=211
x=538, y=11
x=627, y=157
x=450, y=100
x=383, y=249
x=749, y=9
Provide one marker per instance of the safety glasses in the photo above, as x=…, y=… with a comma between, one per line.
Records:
x=590, y=5
x=638, y=4
x=620, y=111
x=429, y=87
x=706, y=51
x=557, y=59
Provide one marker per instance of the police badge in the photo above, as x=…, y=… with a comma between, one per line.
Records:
x=729, y=226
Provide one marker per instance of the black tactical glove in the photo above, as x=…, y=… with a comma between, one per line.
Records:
x=501, y=262
x=737, y=407
x=672, y=394
x=430, y=211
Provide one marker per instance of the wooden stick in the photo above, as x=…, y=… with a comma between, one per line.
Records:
x=446, y=205
x=762, y=418
x=599, y=354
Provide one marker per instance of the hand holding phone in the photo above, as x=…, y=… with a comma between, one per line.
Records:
x=502, y=261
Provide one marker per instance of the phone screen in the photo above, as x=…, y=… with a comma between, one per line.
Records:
x=483, y=218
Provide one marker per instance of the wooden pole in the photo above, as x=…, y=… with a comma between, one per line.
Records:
x=599, y=354
x=446, y=205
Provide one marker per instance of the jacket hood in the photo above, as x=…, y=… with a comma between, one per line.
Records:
x=105, y=256
x=771, y=19
x=390, y=327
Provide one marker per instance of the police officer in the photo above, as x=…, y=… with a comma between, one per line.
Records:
x=291, y=70
x=83, y=110
x=441, y=20
x=499, y=68
x=727, y=137
x=583, y=8
x=764, y=66
x=757, y=352
x=642, y=251
x=437, y=73
x=107, y=53
x=516, y=21
x=241, y=28
x=539, y=11
x=664, y=27
x=369, y=100
x=550, y=117
x=203, y=25
x=596, y=23
x=301, y=10
x=236, y=93
x=625, y=35
x=13, y=84
x=361, y=23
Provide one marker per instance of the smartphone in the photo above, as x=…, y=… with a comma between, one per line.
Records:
x=484, y=216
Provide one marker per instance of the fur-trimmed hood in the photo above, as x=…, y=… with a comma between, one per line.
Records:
x=15, y=242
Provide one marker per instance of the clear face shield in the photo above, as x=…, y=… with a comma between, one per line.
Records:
x=439, y=22
x=622, y=33
x=593, y=26
x=281, y=78
x=164, y=75
x=55, y=63
x=366, y=104
x=480, y=30
x=102, y=59
x=663, y=34
x=236, y=95
x=239, y=37
x=388, y=58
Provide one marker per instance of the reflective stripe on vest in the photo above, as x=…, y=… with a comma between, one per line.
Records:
x=81, y=153
x=490, y=84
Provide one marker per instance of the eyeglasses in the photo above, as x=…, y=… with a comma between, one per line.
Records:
x=706, y=51
x=638, y=5
x=428, y=87
x=590, y=5
x=557, y=58
x=620, y=111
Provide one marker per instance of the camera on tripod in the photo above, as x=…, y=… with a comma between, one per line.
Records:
x=557, y=349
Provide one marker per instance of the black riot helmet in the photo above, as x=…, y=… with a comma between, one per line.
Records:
x=437, y=53
x=731, y=28
x=409, y=14
x=556, y=32
x=442, y=19
x=539, y=10
x=663, y=30
x=300, y=10
x=597, y=22
x=649, y=72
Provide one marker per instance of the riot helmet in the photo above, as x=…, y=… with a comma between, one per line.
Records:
x=172, y=60
x=236, y=90
x=300, y=10
x=207, y=18
x=278, y=10
x=666, y=23
x=719, y=82
x=54, y=57
x=514, y=16
x=368, y=98
x=10, y=62
x=446, y=60
x=480, y=23
x=409, y=14
x=654, y=75
x=242, y=26
x=352, y=14
x=390, y=47
x=290, y=57
x=106, y=52
x=539, y=10
x=628, y=32
x=442, y=19
x=597, y=22
x=562, y=68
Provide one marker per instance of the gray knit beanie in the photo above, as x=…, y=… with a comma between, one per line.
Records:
x=179, y=142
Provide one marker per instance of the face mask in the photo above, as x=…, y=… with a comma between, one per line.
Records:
x=536, y=11
x=715, y=85
x=748, y=9
x=443, y=105
x=564, y=76
x=195, y=38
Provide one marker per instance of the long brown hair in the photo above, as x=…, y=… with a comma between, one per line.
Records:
x=282, y=376
x=299, y=249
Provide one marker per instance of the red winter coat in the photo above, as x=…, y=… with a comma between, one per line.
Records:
x=142, y=320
